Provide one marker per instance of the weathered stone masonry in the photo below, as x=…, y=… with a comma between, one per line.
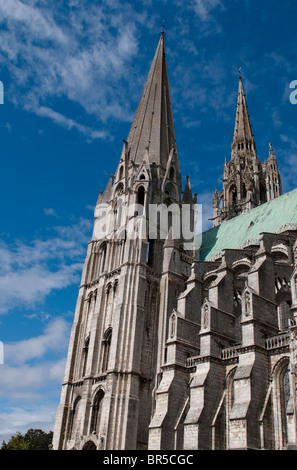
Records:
x=175, y=349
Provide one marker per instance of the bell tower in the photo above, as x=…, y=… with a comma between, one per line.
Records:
x=121, y=318
x=247, y=182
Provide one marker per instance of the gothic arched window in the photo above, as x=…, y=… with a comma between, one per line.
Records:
x=96, y=412
x=119, y=189
x=281, y=402
x=73, y=418
x=102, y=258
x=140, y=196
x=90, y=445
x=119, y=213
x=140, y=200
x=150, y=252
x=230, y=395
x=243, y=191
x=85, y=355
x=105, y=349
x=284, y=398
x=263, y=195
x=170, y=190
x=233, y=195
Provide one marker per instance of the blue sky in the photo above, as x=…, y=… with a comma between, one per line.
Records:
x=73, y=72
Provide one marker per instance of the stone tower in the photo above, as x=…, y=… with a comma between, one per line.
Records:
x=247, y=182
x=129, y=287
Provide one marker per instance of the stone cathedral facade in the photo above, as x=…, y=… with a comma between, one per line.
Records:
x=185, y=349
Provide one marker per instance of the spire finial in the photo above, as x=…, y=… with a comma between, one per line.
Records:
x=163, y=28
x=239, y=72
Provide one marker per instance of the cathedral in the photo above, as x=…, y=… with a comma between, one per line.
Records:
x=185, y=348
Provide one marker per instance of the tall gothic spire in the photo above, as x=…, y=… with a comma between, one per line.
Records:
x=243, y=139
x=152, y=131
x=247, y=182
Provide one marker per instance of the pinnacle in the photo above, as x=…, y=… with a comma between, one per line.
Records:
x=187, y=195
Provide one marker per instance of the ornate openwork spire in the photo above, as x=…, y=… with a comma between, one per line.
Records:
x=247, y=182
x=243, y=139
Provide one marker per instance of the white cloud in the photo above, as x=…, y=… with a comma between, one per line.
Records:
x=31, y=285
x=52, y=339
x=40, y=26
x=204, y=7
x=24, y=418
x=32, y=374
x=79, y=54
x=69, y=123
x=50, y=211
x=31, y=271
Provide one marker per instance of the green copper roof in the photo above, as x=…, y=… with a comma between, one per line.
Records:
x=277, y=215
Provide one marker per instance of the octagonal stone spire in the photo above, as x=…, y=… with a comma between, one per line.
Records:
x=152, y=132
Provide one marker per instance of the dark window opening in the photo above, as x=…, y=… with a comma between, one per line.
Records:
x=150, y=252
x=263, y=195
x=140, y=196
x=243, y=192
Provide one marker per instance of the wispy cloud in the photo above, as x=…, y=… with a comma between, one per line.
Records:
x=41, y=25
x=36, y=416
x=69, y=123
x=203, y=8
x=50, y=211
x=77, y=55
x=52, y=339
x=86, y=56
x=38, y=364
x=31, y=271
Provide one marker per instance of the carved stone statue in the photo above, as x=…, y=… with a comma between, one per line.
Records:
x=205, y=316
x=247, y=298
